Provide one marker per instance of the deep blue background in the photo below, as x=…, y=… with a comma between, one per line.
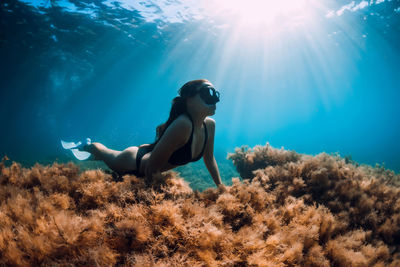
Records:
x=331, y=87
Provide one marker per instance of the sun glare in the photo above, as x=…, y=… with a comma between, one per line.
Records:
x=255, y=13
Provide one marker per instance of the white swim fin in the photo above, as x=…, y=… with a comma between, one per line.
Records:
x=81, y=155
x=76, y=148
x=69, y=145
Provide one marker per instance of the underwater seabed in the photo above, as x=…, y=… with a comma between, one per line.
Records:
x=289, y=209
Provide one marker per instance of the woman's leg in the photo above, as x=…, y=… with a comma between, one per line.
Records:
x=118, y=161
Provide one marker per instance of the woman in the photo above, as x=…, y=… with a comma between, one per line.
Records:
x=187, y=136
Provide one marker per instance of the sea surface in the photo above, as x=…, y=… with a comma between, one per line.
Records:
x=310, y=76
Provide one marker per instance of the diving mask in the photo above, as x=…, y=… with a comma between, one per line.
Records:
x=209, y=95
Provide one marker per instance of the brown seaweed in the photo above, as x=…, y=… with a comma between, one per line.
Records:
x=295, y=210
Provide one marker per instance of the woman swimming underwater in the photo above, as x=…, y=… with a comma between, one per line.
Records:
x=186, y=136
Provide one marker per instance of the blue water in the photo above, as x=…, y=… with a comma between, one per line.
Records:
x=321, y=78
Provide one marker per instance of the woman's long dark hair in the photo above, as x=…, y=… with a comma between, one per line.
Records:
x=178, y=106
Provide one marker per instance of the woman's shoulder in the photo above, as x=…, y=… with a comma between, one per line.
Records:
x=182, y=123
x=178, y=132
x=210, y=122
x=183, y=120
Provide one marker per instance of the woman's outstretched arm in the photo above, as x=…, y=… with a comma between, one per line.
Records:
x=208, y=156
